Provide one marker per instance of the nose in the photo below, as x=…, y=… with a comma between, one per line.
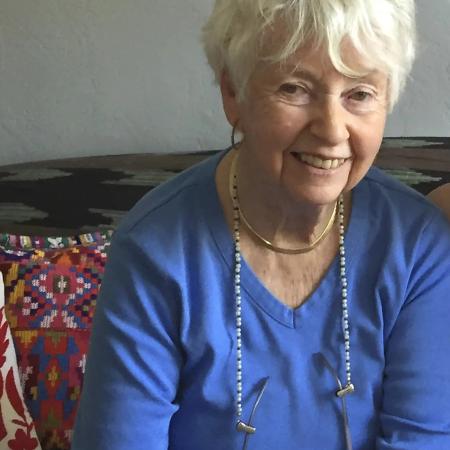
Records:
x=329, y=122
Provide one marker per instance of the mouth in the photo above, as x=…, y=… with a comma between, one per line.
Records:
x=319, y=162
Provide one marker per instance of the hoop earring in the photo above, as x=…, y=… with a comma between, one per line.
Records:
x=234, y=144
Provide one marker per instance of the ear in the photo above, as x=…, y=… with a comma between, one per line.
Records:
x=229, y=99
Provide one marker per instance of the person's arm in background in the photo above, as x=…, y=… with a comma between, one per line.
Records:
x=441, y=197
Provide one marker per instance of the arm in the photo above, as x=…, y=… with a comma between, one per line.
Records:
x=441, y=197
x=416, y=402
x=134, y=359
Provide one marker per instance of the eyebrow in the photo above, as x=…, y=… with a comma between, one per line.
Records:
x=307, y=75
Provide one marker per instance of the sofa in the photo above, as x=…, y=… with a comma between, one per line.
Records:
x=56, y=223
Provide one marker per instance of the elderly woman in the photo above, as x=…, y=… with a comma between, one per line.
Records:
x=441, y=196
x=282, y=294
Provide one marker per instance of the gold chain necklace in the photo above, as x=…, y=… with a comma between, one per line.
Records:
x=266, y=242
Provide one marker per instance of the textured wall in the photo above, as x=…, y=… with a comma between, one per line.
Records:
x=84, y=77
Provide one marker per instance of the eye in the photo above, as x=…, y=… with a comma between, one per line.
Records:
x=361, y=96
x=294, y=94
x=363, y=100
x=292, y=89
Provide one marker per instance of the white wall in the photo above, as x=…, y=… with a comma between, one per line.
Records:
x=424, y=109
x=85, y=77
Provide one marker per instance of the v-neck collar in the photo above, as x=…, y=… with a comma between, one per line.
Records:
x=252, y=285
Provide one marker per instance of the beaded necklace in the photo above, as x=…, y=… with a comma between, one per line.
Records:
x=348, y=388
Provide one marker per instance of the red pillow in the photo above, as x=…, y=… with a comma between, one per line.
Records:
x=51, y=288
x=17, y=430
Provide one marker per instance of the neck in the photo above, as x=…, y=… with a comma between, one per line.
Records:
x=275, y=215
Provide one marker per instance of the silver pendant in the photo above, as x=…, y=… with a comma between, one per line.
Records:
x=242, y=426
x=348, y=389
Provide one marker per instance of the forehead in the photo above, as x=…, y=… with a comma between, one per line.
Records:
x=313, y=63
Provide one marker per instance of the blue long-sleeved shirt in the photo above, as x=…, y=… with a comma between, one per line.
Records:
x=162, y=363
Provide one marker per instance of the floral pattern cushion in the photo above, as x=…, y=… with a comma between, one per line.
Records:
x=51, y=289
x=17, y=431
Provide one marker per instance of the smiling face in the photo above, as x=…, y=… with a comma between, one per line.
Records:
x=310, y=132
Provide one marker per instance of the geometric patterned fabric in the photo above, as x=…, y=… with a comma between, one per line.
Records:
x=50, y=297
x=17, y=430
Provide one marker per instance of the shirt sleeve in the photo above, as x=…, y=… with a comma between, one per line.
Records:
x=134, y=360
x=416, y=400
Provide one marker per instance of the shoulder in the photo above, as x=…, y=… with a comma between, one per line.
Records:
x=171, y=231
x=173, y=226
x=380, y=180
x=401, y=240
x=395, y=218
x=174, y=203
x=392, y=198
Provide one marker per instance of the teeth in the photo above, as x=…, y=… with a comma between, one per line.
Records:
x=321, y=163
x=327, y=164
x=336, y=163
x=317, y=161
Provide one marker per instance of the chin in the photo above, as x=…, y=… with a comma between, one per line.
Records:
x=319, y=196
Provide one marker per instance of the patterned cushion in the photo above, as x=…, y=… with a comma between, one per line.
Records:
x=51, y=288
x=17, y=431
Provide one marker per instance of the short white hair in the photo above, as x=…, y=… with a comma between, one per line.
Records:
x=382, y=31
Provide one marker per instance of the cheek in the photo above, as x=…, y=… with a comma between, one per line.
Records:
x=365, y=149
x=366, y=140
x=273, y=126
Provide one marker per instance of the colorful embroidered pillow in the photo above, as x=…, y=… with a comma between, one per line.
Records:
x=51, y=288
x=17, y=430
